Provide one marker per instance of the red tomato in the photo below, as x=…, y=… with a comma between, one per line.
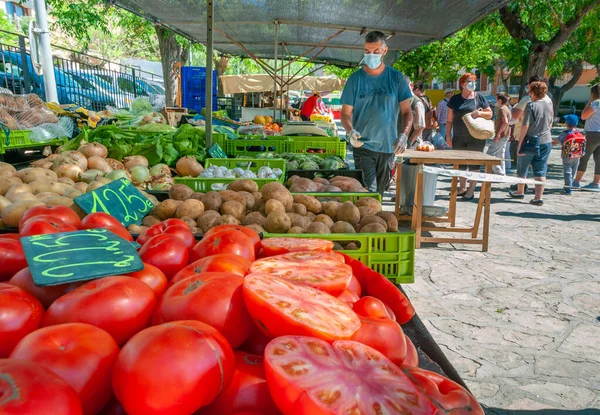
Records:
x=27, y=388
x=81, y=354
x=13, y=236
x=254, y=237
x=99, y=220
x=390, y=312
x=216, y=301
x=12, y=258
x=20, y=314
x=370, y=307
x=175, y=227
x=278, y=246
x=45, y=295
x=120, y=231
x=309, y=376
x=153, y=277
x=376, y=285
x=227, y=241
x=348, y=297
x=120, y=305
x=45, y=224
x=319, y=270
x=354, y=286
x=383, y=335
x=174, y=369
x=215, y=263
x=248, y=390
x=257, y=342
x=62, y=213
x=280, y=307
x=166, y=252
x=448, y=396
x=412, y=355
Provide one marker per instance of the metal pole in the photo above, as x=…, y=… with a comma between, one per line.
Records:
x=45, y=51
x=275, y=67
x=210, y=8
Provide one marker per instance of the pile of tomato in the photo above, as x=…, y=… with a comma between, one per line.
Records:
x=227, y=325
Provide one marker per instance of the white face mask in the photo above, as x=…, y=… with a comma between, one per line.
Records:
x=470, y=86
x=372, y=60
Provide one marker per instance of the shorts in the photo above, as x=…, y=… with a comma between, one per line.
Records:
x=538, y=163
x=468, y=143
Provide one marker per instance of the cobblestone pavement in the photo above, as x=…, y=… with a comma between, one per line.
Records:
x=521, y=322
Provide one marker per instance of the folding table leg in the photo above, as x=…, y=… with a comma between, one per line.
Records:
x=398, y=184
x=486, y=213
x=453, y=192
x=417, y=211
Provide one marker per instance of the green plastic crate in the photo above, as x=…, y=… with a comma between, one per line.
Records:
x=321, y=148
x=248, y=147
x=22, y=139
x=202, y=184
x=313, y=138
x=391, y=254
x=344, y=197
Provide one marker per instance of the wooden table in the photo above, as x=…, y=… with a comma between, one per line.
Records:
x=455, y=158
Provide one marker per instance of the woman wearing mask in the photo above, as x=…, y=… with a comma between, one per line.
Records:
x=537, y=121
x=459, y=105
x=591, y=115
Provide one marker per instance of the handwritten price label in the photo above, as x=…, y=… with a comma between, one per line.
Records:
x=120, y=199
x=79, y=256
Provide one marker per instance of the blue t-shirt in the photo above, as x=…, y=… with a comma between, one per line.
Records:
x=376, y=106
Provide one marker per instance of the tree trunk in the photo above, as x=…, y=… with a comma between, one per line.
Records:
x=221, y=64
x=171, y=52
x=538, y=60
x=559, y=91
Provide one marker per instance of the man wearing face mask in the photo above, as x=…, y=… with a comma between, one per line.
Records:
x=373, y=99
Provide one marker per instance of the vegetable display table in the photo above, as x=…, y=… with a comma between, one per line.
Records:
x=455, y=158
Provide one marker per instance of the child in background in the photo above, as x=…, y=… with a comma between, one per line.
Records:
x=570, y=161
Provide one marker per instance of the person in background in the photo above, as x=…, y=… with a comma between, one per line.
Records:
x=442, y=111
x=373, y=99
x=309, y=106
x=591, y=115
x=498, y=146
x=459, y=105
x=569, y=164
x=519, y=110
x=428, y=110
x=418, y=112
x=537, y=121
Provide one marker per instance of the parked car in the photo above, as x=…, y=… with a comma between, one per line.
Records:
x=122, y=99
x=11, y=78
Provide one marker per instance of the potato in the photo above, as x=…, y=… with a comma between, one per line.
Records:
x=82, y=187
x=11, y=215
x=22, y=196
x=337, y=246
x=150, y=221
x=296, y=230
x=150, y=197
x=228, y=219
x=207, y=220
x=44, y=197
x=136, y=229
x=278, y=222
x=32, y=174
x=180, y=192
x=7, y=170
x=273, y=205
x=275, y=190
x=233, y=208
x=369, y=201
x=42, y=186
x=320, y=186
x=16, y=189
x=303, y=185
x=190, y=208
x=102, y=181
x=291, y=180
x=318, y=228
x=299, y=209
x=248, y=199
x=331, y=209
x=191, y=223
x=321, y=180
x=347, y=184
x=246, y=185
x=372, y=219
x=166, y=209
x=349, y=213
x=4, y=202
x=227, y=195
x=60, y=201
x=310, y=216
x=212, y=201
x=310, y=202
x=257, y=196
x=254, y=218
x=195, y=231
x=72, y=193
x=366, y=211
x=342, y=227
x=256, y=228
x=259, y=206
x=324, y=219
x=390, y=220
x=197, y=196
x=66, y=180
x=298, y=220
x=351, y=247
x=7, y=182
x=373, y=228
x=331, y=189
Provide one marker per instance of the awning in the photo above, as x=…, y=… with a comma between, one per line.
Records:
x=234, y=84
x=304, y=25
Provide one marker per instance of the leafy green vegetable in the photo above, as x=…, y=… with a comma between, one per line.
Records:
x=157, y=128
x=140, y=106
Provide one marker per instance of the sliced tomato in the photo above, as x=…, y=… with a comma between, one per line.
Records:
x=309, y=376
x=280, y=307
x=383, y=335
x=348, y=297
x=215, y=263
x=448, y=396
x=354, y=286
x=412, y=355
x=319, y=270
x=277, y=246
x=257, y=342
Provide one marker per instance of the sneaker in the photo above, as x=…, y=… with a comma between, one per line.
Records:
x=576, y=185
x=566, y=191
x=516, y=195
x=536, y=202
x=593, y=186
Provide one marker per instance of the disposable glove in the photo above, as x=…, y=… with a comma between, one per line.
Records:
x=355, y=139
x=401, y=144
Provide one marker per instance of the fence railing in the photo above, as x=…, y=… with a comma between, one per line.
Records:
x=81, y=79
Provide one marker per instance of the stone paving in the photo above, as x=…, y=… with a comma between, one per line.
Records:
x=521, y=322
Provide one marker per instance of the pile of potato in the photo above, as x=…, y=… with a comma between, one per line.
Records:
x=273, y=209
x=299, y=184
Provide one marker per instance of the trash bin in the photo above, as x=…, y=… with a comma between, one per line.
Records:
x=409, y=180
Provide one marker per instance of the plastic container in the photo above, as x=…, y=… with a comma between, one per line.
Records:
x=21, y=139
x=409, y=180
x=203, y=184
x=252, y=146
x=233, y=106
x=323, y=148
x=390, y=254
x=342, y=197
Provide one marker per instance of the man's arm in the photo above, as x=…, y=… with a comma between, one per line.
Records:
x=406, y=115
x=418, y=122
x=346, y=118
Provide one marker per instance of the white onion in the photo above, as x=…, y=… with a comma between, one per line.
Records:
x=70, y=157
x=71, y=171
x=98, y=163
x=91, y=175
x=139, y=174
x=130, y=162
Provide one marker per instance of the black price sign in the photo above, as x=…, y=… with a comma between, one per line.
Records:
x=79, y=256
x=120, y=199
